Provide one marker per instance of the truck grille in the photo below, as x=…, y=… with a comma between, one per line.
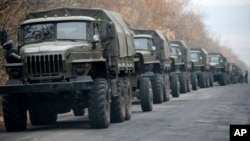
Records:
x=44, y=65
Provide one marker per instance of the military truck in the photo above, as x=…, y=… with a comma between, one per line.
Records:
x=149, y=67
x=69, y=59
x=200, y=68
x=181, y=64
x=219, y=68
x=160, y=73
x=234, y=73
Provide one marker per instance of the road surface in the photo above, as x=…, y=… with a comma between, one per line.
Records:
x=203, y=115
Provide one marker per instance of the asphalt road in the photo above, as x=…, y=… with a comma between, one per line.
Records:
x=203, y=115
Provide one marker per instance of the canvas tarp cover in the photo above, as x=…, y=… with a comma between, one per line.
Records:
x=160, y=41
x=122, y=45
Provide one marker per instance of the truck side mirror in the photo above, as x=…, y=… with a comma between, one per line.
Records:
x=110, y=30
x=153, y=48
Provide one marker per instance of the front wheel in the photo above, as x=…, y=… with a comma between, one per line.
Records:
x=157, y=85
x=146, y=95
x=175, y=86
x=14, y=112
x=99, y=105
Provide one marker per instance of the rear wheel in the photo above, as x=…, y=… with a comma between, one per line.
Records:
x=166, y=89
x=194, y=81
x=157, y=85
x=128, y=97
x=118, y=104
x=175, y=86
x=211, y=79
x=188, y=82
x=99, y=105
x=183, y=83
x=14, y=112
x=146, y=95
x=202, y=80
x=223, y=79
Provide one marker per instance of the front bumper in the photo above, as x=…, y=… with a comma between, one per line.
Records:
x=15, y=87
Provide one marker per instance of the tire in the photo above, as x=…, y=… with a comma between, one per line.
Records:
x=188, y=82
x=211, y=79
x=41, y=115
x=166, y=89
x=14, y=112
x=194, y=81
x=207, y=80
x=175, y=86
x=223, y=79
x=202, y=80
x=99, y=105
x=128, y=97
x=146, y=93
x=157, y=85
x=118, y=104
x=183, y=83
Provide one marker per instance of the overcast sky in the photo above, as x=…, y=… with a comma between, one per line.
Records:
x=230, y=20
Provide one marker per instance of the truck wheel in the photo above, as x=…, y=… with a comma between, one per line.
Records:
x=157, y=85
x=99, y=105
x=118, y=104
x=194, y=81
x=14, y=112
x=202, y=80
x=166, y=89
x=223, y=79
x=183, y=85
x=211, y=79
x=40, y=115
x=188, y=82
x=175, y=86
x=146, y=95
x=128, y=98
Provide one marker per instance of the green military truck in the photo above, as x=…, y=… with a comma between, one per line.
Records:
x=181, y=64
x=160, y=73
x=149, y=67
x=219, y=68
x=69, y=59
x=200, y=68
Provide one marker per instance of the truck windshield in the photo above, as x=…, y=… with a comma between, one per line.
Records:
x=141, y=44
x=195, y=56
x=214, y=59
x=38, y=32
x=71, y=30
x=52, y=31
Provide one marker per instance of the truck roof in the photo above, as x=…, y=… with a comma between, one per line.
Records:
x=198, y=49
x=54, y=19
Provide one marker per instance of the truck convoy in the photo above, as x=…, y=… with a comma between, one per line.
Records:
x=200, y=68
x=78, y=59
x=69, y=59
